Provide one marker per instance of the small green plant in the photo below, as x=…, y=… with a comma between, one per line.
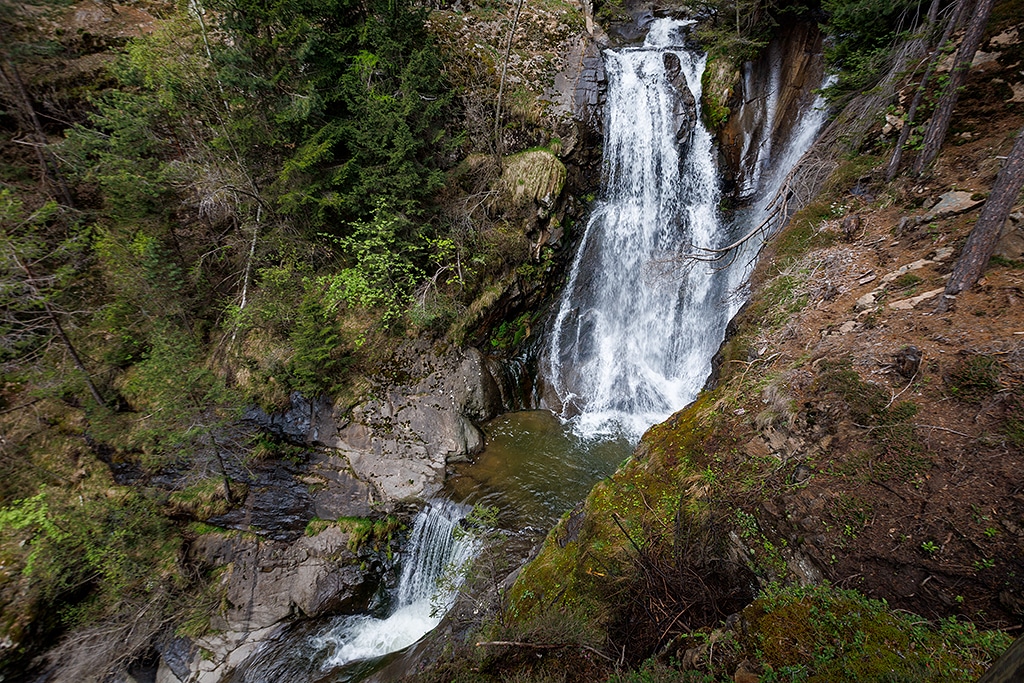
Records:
x=907, y=280
x=991, y=532
x=974, y=378
x=930, y=547
x=510, y=334
x=985, y=563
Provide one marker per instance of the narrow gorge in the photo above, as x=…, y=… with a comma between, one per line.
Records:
x=475, y=341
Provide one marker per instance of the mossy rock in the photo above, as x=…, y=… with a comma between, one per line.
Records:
x=718, y=84
x=530, y=180
x=590, y=551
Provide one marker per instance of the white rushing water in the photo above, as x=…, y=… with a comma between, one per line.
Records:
x=436, y=559
x=350, y=647
x=638, y=324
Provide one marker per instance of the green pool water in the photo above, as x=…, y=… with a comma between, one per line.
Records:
x=533, y=469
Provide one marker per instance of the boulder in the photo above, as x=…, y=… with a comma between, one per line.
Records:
x=531, y=184
x=952, y=203
x=221, y=654
x=1011, y=239
x=401, y=441
x=267, y=582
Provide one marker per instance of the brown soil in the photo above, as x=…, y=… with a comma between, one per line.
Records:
x=923, y=509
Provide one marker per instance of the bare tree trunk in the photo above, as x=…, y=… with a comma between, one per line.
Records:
x=229, y=497
x=501, y=85
x=55, y=319
x=48, y=165
x=983, y=238
x=939, y=125
x=74, y=355
x=908, y=124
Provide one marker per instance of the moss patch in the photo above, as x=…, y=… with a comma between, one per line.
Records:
x=823, y=634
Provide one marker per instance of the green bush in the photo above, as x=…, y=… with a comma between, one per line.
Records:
x=863, y=34
x=84, y=558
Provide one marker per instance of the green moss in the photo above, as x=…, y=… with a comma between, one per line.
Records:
x=610, y=11
x=803, y=233
x=907, y=280
x=637, y=505
x=900, y=454
x=194, y=621
x=363, y=531
x=824, y=634
x=780, y=299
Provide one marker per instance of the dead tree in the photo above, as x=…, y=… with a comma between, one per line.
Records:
x=983, y=238
x=39, y=298
x=501, y=84
x=25, y=113
x=939, y=125
x=908, y=124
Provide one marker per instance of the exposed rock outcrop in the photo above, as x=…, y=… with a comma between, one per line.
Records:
x=529, y=196
x=590, y=87
x=269, y=581
x=684, y=106
x=264, y=584
x=401, y=440
x=766, y=99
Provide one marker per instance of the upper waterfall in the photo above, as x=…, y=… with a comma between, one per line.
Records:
x=635, y=331
x=638, y=322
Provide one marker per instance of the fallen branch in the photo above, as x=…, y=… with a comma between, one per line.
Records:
x=944, y=429
x=542, y=646
x=516, y=643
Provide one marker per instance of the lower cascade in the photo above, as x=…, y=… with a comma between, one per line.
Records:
x=431, y=574
x=433, y=568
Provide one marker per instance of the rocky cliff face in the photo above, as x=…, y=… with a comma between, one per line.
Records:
x=763, y=98
x=858, y=435
x=421, y=417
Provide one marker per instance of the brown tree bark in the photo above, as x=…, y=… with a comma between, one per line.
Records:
x=59, y=329
x=985, y=234
x=498, y=146
x=29, y=119
x=908, y=124
x=939, y=125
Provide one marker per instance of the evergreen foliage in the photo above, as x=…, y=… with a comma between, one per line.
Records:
x=349, y=97
x=862, y=36
x=251, y=193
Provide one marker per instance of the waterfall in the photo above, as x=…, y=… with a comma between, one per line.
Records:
x=432, y=571
x=433, y=567
x=638, y=323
